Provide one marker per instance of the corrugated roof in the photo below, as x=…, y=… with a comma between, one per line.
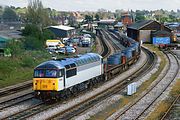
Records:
x=62, y=27
x=140, y=24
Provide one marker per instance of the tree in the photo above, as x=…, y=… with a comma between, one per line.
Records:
x=35, y=38
x=9, y=15
x=31, y=29
x=139, y=15
x=36, y=14
x=88, y=18
x=72, y=20
x=172, y=18
x=97, y=17
x=102, y=13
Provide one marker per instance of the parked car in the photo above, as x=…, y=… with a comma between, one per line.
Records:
x=51, y=51
x=66, y=49
x=70, y=49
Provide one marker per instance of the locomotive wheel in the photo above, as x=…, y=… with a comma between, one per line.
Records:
x=68, y=93
x=75, y=90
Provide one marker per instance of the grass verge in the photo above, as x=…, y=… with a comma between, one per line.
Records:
x=18, y=69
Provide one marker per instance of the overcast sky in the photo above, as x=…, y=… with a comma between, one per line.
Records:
x=93, y=5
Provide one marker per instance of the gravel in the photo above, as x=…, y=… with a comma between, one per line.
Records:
x=15, y=95
x=17, y=108
x=177, y=52
x=147, y=99
x=97, y=108
x=14, y=101
x=175, y=112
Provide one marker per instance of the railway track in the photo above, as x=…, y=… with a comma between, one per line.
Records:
x=115, y=44
x=107, y=48
x=23, y=114
x=167, y=114
x=118, y=38
x=135, y=110
x=15, y=88
x=14, y=101
x=87, y=104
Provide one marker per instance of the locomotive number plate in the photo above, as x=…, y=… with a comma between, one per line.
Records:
x=44, y=86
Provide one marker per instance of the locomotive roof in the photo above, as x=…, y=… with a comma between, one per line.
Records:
x=78, y=61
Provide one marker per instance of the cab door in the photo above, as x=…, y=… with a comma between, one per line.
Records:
x=61, y=79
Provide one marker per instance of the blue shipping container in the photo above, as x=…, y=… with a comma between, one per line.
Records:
x=114, y=59
x=161, y=40
x=128, y=53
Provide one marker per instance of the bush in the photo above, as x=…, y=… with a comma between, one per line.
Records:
x=16, y=47
x=33, y=43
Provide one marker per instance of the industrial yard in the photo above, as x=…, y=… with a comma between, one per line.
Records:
x=59, y=62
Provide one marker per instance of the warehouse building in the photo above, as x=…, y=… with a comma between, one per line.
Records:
x=62, y=31
x=148, y=30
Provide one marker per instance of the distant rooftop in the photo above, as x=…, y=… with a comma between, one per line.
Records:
x=119, y=24
x=140, y=24
x=62, y=27
x=107, y=21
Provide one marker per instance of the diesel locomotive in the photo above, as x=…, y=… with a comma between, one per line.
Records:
x=60, y=78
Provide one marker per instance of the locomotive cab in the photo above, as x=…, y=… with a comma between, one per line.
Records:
x=51, y=79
